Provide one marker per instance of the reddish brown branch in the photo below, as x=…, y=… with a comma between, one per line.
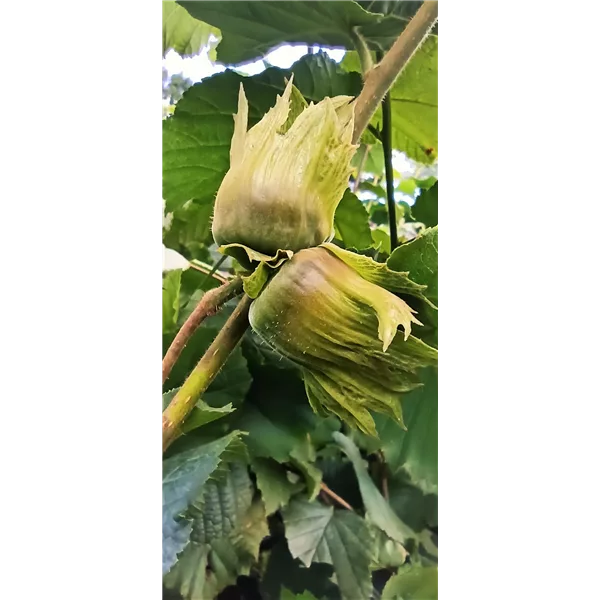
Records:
x=205, y=371
x=327, y=490
x=209, y=304
x=380, y=78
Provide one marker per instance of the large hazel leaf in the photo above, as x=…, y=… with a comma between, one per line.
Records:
x=352, y=222
x=251, y=29
x=227, y=530
x=412, y=582
x=416, y=449
x=419, y=258
x=318, y=533
x=276, y=414
x=414, y=103
x=414, y=99
x=272, y=480
x=378, y=510
x=184, y=476
x=425, y=209
x=190, y=231
x=182, y=33
x=196, y=139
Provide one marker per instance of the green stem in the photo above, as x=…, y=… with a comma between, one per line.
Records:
x=381, y=77
x=209, y=304
x=205, y=371
x=362, y=49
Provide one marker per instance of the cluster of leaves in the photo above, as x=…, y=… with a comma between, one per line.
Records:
x=262, y=498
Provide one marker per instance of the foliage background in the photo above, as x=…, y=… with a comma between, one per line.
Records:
x=245, y=513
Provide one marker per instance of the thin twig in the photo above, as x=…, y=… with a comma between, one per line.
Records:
x=208, y=272
x=214, y=270
x=205, y=371
x=209, y=304
x=325, y=488
x=381, y=77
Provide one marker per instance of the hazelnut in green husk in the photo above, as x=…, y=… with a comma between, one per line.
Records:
x=285, y=178
x=341, y=329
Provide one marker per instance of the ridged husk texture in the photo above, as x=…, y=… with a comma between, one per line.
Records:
x=341, y=329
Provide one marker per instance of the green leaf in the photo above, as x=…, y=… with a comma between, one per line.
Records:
x=170, y=299
x=184, y=476
x=351, y=61
x=276, y=414
x=287, y=595
x=425, y=209
x=272, y=480
x=414, y=99
x=397, y=14
x=226, y=534
x=268, y=435
x=184, y=34
x=416, y=449
x=232, y=382
x=379, y=511
x=196, y=139
x=389, y=554
x=338, y=537
x=426, y=183
x=416, y=508
x=420, y=259
x=251, y=29
x=407, y=186
x=382, y=241
x=190, y=232
x=222, y=505
x=352, y=222
x=312, y=474
x=373, y=163
x=412, y=582
x=316, y=76
x=201, y=414
x=253, y=284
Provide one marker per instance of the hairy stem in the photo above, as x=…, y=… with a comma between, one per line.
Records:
x=364, y=54
x=205, y=371
x=209, y=304
x=381, y=77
